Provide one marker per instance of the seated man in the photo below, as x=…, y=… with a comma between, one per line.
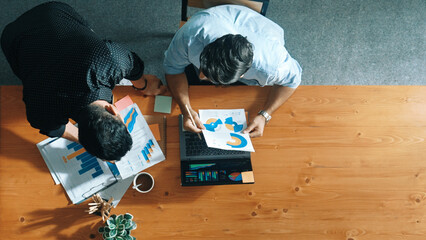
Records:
x=68, y=71
x=231, y=43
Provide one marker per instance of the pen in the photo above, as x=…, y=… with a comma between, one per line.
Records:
x=192, y=119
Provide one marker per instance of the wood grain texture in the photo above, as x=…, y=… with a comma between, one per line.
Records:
x=335, y=162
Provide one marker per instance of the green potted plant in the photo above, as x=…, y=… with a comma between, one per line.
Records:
x=118, y=227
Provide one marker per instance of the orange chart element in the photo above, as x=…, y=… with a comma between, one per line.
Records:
x=73, y=155
x=235, y=141
x=238, y=141
x=229, y=126
x=211, y=120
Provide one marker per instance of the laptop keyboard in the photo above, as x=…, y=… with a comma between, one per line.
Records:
x=197, y=147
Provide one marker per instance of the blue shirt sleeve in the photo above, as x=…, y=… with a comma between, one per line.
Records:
x=176, y=57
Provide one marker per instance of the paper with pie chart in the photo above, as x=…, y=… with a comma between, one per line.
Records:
x=223, y=129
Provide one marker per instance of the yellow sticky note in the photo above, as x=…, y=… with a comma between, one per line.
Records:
x=248, y=177
x=155, y=129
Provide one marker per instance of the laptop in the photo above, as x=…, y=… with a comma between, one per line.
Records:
x=201, y=165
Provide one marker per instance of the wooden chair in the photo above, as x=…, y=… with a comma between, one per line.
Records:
x=258, y=5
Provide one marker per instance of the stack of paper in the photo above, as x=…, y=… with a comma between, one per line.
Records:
x=82, y=174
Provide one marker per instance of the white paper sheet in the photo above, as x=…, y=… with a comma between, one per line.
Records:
x=223, y=129
x=83, y=177
x=145, y=151
x=80, y=173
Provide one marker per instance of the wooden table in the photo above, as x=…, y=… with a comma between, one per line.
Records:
x=335, y=162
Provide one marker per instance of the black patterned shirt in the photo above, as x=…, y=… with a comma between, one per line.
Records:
x=63, y=64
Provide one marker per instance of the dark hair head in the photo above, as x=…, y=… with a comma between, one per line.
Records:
x=226, y=59
x=103, y=134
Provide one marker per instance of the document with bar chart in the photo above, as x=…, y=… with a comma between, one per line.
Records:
x=145, y=151
x=80, y=173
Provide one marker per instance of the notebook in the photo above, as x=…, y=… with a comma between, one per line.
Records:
x=201, y=165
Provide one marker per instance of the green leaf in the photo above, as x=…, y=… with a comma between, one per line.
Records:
x=128, y=237
x=110, y=221
x=109, y=238
x=112, y=226
x=113, y=233
x=128, y=216
x=133, y=238
x=133, y=226
x=121, y=227
x=119, y=219
x=107, y=229
x=128, y=224
x=121, y=232
x=119, y=238
x=101, y=229
x=124, y=222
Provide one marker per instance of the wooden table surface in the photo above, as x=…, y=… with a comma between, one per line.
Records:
x=335, y=162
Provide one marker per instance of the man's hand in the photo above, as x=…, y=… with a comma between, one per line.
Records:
x=71, y=132
x=187, y=122
x=256, y=126
x=154, y=85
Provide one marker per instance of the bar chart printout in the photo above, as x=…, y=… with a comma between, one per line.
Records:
x=80, y=173
x=145, y=150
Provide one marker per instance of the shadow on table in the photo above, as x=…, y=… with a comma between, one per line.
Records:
x=55, y=222
x=19, y=148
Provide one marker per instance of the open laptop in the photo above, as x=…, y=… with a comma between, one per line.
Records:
x=201, y=165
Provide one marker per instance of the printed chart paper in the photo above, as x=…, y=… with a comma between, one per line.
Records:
x=145, y=150
x=80, y=173
x=223, y=129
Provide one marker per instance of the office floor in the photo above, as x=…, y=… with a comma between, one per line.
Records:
x=365, y=42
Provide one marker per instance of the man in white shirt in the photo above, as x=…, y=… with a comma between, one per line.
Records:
x=228, y=44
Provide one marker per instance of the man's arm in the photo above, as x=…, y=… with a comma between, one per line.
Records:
x=276, y=97
x=178, y=86
x=71, y=132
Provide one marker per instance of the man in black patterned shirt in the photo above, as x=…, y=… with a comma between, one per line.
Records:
x=68, y=71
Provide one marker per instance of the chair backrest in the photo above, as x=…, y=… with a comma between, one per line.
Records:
x=258, y=5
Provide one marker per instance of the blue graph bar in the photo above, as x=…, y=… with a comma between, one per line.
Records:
x=83, y=155
x=88, y=161
x=113, y=169
x=144, y=155
x=71, y=145
x=151, y=142
x=97, y=174
x=91, y=162
x=78, y=147
x=89, y=165
x=85, y=158
x=148, y=146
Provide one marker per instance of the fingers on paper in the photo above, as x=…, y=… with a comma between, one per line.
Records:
x=190, y=127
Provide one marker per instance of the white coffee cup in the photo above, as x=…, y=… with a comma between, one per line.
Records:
x=144, y=184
